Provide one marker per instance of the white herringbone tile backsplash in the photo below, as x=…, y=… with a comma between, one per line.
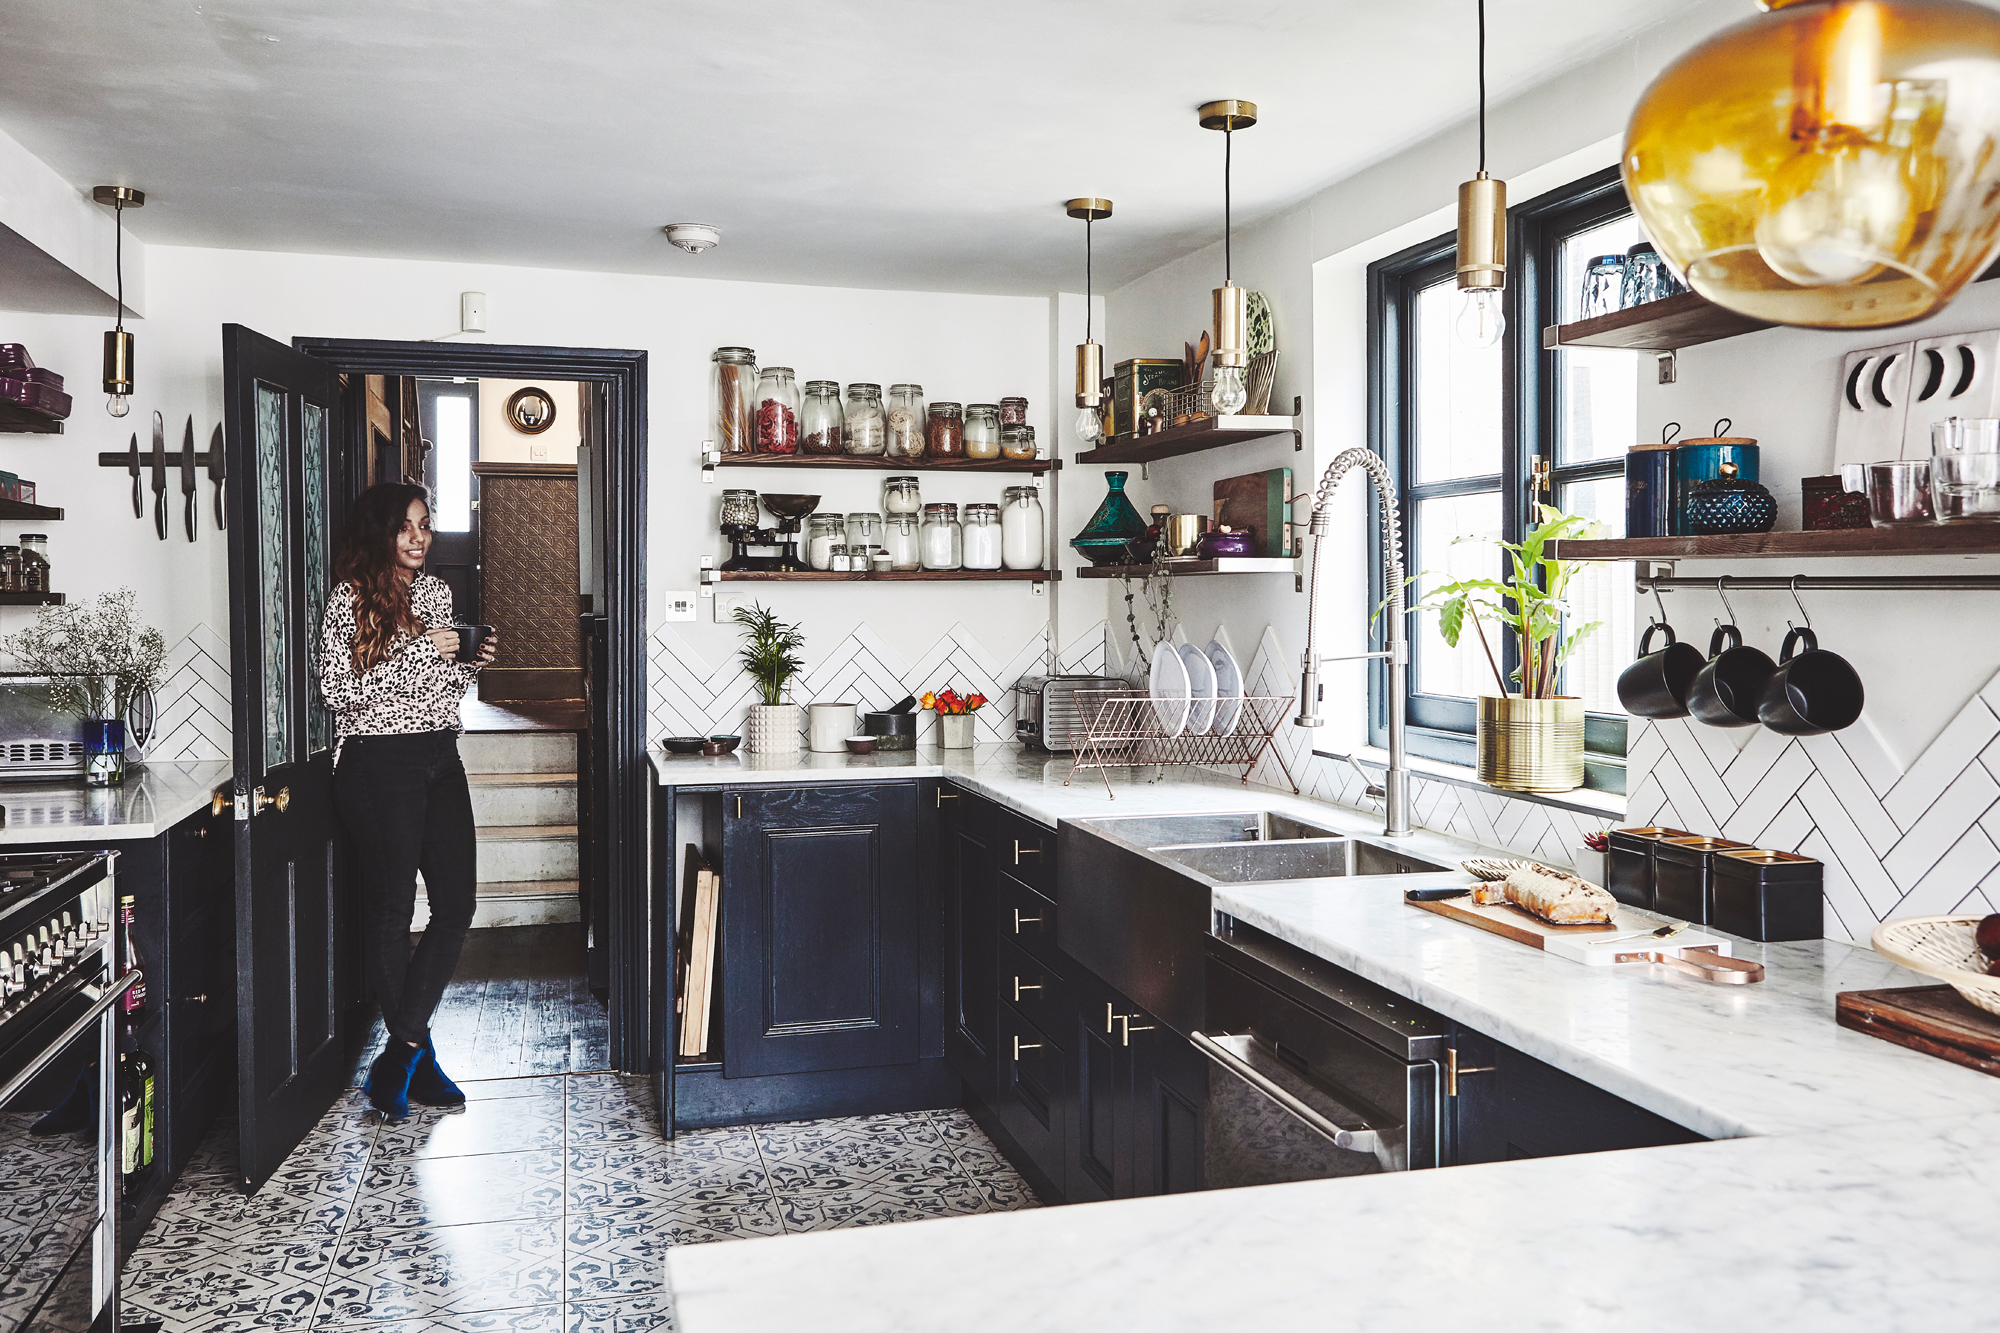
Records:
x=191, y=718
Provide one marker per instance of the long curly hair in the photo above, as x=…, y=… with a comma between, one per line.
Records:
x=366, y=559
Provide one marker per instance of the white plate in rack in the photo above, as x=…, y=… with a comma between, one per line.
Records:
x=1170, y=689
x=1201, y=688
x=1228, y=689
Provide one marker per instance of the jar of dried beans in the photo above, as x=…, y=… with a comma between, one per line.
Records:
x=777, y=415
x=732, y=396
x=905, y=421
x=865, y=431
x=821, y=419
x=1013, y=411
x=945, y=437
x=982, y=430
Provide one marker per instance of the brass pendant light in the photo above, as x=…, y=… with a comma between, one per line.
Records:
x=1089, y=354
x=1232, y=303
x=1482, y=238
x=1831, y=163
x=117, y=342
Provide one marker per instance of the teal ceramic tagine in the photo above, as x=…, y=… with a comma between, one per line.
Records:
x=1116, y=532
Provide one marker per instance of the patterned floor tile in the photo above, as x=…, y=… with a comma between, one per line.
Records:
x=531, y=1319
x=297, y=1201
x=706, y=1166
x=824, y=1211
x=607, y=1108
x=624, y=1253
x=341, y=1136
x=639, y=1314
x=1004, y=1188
x=858, y=1153
x=514, y=1124
x=445, y=1191
x=392, y=1273
x=241, y=1284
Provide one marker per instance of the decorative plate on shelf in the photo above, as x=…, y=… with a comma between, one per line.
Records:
x=1261, y=330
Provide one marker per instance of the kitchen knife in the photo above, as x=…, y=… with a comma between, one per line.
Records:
x=160, y=475
x=187, y=477
x=132, y=466
x=216, y=472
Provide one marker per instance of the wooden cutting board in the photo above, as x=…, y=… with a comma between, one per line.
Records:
x=1509, y=920
x=1933, y=1019
x=1261, y=503
x=1576, y=943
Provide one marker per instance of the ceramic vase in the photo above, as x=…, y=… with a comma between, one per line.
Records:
x=103, y=752
x=1530, y=744
x=1116, y=531
x=955, y=731
x=772, y=729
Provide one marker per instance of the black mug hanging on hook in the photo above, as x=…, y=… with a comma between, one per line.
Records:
x=1813, y=693
x=1657, y=684
x=1726, y=691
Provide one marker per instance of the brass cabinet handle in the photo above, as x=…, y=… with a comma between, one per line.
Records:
x=1125, y=1028
x=217, y=804
x=1110, y=1018
x=1020, y=851
x=259, y=802
x=739, y=807
x=198, y=999
x=943, y=796
x=1020, y=1046
x=1452, y=1071
x=1018, y=988
x=1020, y=921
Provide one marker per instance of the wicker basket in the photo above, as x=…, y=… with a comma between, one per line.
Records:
x=1941, y=947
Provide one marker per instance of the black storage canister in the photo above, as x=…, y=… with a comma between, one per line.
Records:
x=892, y=731
x=1682, y=875
x=1632, y=863
x=1768, y=895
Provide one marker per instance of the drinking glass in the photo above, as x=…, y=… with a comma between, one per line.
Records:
x=1965, y=470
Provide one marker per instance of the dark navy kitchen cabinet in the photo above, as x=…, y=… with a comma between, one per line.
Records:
x=1168, y=1082
x=1504, y=1104
x=820, y=928
x=966, y=831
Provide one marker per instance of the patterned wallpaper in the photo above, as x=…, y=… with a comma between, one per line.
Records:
x=528, y=569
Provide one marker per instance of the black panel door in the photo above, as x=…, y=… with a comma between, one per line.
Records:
x=1099, y=1131
x=970, y=1016
x=280, y=413
x=1169, y=1083
x=819, y=928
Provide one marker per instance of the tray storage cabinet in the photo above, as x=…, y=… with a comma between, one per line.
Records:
x=820, y=931
x=1517, y=1106
x=967, y=829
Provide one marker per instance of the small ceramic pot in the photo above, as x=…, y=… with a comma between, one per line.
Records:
x=956, y=731
x=772, y=728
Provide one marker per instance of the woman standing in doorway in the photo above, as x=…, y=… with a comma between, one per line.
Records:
x=389, y=674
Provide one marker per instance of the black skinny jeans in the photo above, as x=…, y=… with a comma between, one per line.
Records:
x=406, y=807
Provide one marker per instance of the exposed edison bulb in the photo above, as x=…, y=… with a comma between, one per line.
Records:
x=1089, y=426
x=1845, y=215
x=1482, y=319
x=1230, y=392
x=117, y=404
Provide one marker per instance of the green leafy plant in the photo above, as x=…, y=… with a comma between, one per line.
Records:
x=97, y=655
x=1529, y=605
x=770, y=654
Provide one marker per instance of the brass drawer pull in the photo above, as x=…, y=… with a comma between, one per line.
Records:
x=1020, y=851
x=1020, y=921
x=1020, y=1046
x=1126, y=1029
x=1452, y=1071
x=944, y=796
x=1018, y=988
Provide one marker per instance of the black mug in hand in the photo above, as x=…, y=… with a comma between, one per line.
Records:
x=471, y=639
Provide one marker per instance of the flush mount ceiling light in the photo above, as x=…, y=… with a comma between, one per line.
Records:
x=117, y=342
x=1232, y=303
x=693, y=237
x=1482, y=238
x=1089, y=354
x=1832, y=163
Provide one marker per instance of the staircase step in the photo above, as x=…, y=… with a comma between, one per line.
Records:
x=537, y=902
x=518, y=752
x=523, y=798
x=527, y=852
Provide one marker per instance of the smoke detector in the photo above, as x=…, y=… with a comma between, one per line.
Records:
x=693, y=237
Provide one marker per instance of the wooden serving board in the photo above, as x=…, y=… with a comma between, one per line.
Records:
x=1933, y=1019
x=1509, y=920
x=1574, y=942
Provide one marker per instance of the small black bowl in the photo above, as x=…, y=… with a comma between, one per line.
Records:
x=683, y=744
x=716, y=745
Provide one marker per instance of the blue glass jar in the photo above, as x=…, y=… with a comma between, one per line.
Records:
x=103, y=752
x=1702, y=460
x=1728, y=504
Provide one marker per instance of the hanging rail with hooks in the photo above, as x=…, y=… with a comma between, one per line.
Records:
x=1829, y=583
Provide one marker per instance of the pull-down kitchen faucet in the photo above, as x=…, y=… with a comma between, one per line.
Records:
x=1395, y=782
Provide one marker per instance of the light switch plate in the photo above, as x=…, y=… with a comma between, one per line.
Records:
x=726, y=604
x=678, y=606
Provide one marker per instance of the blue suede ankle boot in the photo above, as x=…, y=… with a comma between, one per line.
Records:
x=388, y=1085
x=428, y=1083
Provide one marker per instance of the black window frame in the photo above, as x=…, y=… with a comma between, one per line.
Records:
x=1438, y=726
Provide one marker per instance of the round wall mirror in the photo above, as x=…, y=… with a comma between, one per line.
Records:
x=531, y=410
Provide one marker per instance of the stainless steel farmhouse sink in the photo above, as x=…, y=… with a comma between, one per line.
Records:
x=1255, y=862
x=1227, y=826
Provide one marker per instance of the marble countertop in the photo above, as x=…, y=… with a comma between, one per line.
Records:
x=153, y=798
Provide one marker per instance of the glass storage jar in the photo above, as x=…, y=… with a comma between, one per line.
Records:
x=820, y=420
x=34, y=562
x=900, y=539
x=865, y=430
x=982, y=430
x=10, y=568
x=739, y=509
x=732, y=395
x=1013, y=411
x=863, y=529
x=945, y=435
x=823, y=533
x=899, y=496
x=940, y=541
x=905, y=421
x=839, y=562
x=777, y=416
x=1017, y=442
x=980, y=539
x=1023, y=528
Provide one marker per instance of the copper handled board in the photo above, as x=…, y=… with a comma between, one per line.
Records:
x=1695, y=952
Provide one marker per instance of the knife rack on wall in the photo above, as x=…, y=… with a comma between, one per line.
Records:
x=185, y=461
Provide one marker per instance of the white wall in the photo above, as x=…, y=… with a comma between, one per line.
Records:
x=501, y=441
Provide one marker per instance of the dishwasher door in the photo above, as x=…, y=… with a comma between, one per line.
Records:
x=1292, y=1095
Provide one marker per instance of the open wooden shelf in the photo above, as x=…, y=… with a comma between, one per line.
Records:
x=32, y=598
x=1227, y=564
x=21, y=421
x=1657, y=326
x=1932, y=539
x=1209, y=433
x=874, y=463
x=894, y=576
x=41, y=513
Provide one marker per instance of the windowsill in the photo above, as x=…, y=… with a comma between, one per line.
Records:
x=1583, y=801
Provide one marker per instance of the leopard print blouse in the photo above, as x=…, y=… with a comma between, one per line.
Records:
x=413, y=689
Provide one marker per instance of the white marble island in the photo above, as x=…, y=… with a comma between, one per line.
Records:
x=153, y=798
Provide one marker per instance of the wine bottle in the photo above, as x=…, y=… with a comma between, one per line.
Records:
x=135, y=998
x=130, y=1135
x=142, y=1077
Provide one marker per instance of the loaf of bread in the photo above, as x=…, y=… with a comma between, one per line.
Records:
x=1559, y=899
x=1487, y=892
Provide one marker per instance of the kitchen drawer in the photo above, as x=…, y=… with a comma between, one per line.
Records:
x=1032, y=1077
x=974, y=816
x=1027, y=851
x=1026, y=918
x=1032, y=987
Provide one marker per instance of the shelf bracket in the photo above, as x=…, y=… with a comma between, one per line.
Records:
x=710, y=457
x=1669, y=367
x=709, y=577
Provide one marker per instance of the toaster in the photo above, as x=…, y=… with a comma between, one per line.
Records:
x=1046, y=712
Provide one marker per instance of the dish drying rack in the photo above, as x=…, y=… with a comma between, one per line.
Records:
x=1127, y=728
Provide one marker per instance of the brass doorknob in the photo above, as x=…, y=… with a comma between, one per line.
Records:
x=217, y=804
x=282, y=802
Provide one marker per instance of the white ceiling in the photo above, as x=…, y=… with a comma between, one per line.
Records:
x=921, y=144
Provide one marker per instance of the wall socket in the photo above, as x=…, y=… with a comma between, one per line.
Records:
x=678, y=606
x=727, y=604
x=538, y=453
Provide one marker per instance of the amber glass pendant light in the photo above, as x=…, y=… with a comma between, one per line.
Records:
x=1833, y=163
x=1232, y=303
x=1089, y=353
x=1482, y=239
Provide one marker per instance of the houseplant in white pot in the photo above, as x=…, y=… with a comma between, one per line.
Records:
x=770, y=656
x=98, y=657
x=1530, y=738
